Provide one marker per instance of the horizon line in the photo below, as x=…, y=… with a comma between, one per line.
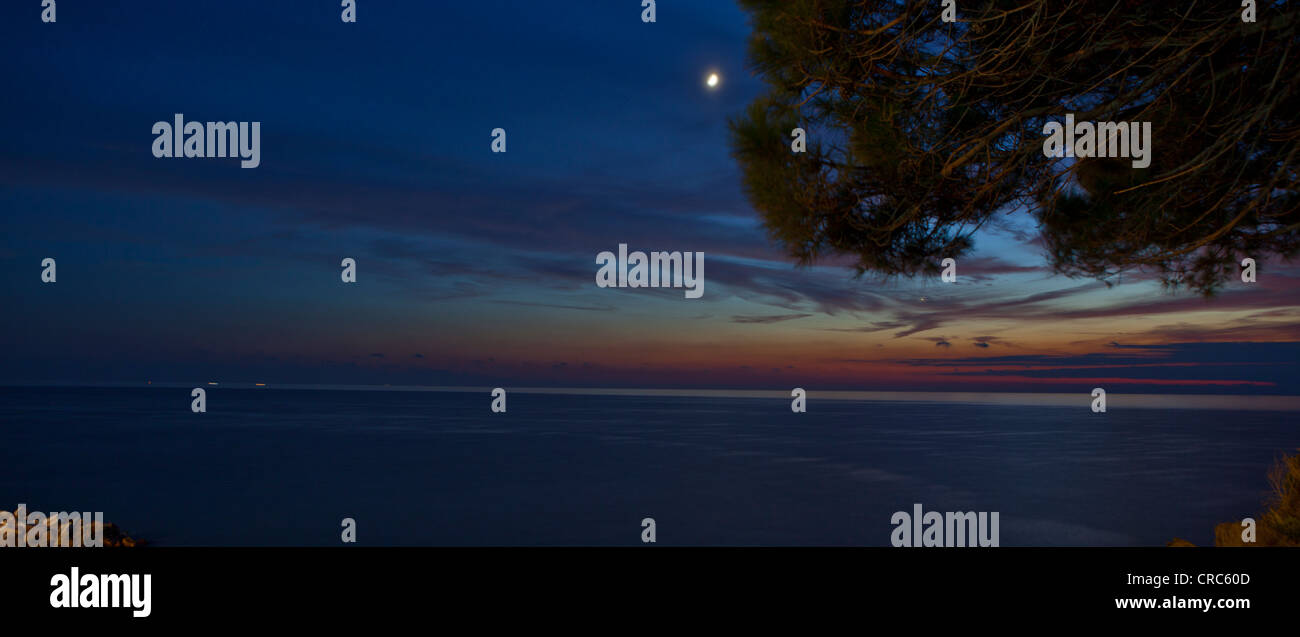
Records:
x=1265, y=402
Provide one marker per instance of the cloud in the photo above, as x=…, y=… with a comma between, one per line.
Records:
x=1232, y=363
x=559, y=306
x=987, y=268
x=799, y=290
x=775, y=318
x=875, y=326
x=986, y=341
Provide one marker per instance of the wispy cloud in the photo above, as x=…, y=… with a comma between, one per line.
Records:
x=773, y=318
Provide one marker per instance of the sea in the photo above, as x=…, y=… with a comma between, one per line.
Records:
x=274, y=466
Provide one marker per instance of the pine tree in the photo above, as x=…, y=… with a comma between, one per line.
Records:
x=919, y=131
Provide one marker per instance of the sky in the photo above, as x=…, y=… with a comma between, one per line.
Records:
x=477, y=268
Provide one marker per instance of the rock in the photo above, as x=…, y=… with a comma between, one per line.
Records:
x=54, y=531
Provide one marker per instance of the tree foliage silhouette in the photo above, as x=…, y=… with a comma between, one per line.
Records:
x=920, y=131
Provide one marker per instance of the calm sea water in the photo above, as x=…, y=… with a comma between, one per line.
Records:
x=284, y=467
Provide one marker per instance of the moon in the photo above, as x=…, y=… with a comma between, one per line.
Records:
x=713, y=80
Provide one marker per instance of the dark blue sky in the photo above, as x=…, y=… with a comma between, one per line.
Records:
x=478, y=268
